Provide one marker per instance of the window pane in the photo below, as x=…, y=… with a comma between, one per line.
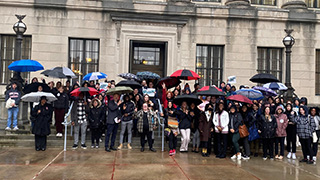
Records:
x=264, y=2
x=209, y=64
x=317, y=78
x=270, y=61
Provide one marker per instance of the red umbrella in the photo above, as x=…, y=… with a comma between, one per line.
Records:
x=91, y=91
x=240, y=98
x=185, y=74
x=206, y=88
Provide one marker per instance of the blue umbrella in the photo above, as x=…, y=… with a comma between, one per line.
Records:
x=25, y=65
x=265, y=91
x=94, y=76
x=129, y=76
x=147, y=75
x=250, y=93
x=276, y=86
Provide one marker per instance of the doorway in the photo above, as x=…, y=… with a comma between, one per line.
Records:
x=148, y=56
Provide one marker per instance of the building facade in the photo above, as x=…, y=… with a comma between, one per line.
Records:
x=216, y=38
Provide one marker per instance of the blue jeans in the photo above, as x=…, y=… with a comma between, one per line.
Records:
x=14, y=111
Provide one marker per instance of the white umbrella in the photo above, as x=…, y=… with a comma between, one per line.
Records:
x=276, y=86
x=59, y=72
x=35, y=97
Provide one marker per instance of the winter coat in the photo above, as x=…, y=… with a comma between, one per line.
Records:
x=152, y=120
x=14, y=94
x=42, y=121
x=184, y=119
x=221, y=120
x=194, y=119
x=205, y=126
x=235, y=121
x=96, y=116
x=305, y=126
x=282, y=123
x=113, y=112
x=267, y=128
x=129, y=110
x=62, y=101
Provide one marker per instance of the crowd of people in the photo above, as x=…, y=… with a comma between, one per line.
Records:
x=217, y=126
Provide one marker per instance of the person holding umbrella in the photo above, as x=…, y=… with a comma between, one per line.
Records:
x=171, y=124
x=41, y=128
x=12, y=99
x=60, y=108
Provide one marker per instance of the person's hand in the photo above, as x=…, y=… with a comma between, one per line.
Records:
x=187, y=111
x=39, y=111
x=13, y=104
x=219, y=128
x=259, y=131
x=124, y=107
x=72, y=123
x=232, y=130
x=135, y=109
x=292, y=112
x=161, y=114
x=192, y=113
x=41, y=79
x=163, y=86
x=171, y=112
x=154, y=127
x=211, y=130
x=119, y=103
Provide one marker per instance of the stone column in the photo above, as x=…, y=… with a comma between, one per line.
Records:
x=295, y=5
x=238, y=3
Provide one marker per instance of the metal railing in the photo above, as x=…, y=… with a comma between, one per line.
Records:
x=161, y=124
x=66, y=123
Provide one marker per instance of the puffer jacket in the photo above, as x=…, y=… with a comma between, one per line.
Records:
x=96, y=115
x=267, y=128
x=282, y=123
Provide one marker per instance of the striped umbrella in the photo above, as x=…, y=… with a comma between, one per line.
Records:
x=250, y=93
x=94, y=76
x=276, y=86
x=185, y=74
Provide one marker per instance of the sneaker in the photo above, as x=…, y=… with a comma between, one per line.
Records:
x=294, y=156
x=264, y=158
x=16, y=128
x=75, y=146
x=97, y=146
x=303, y=160
x=310, y=162
x=92, y=146
x=58, y=134
x=280, y=157
x=277, y=157
x=7, y=129
x=245, y=157
x=174, y=151
x=83, y=146
x=308, y=157
x=100, y=140
x=314, y=158
x=234, y=156
x=170, y=152
x=289, y=155
x=239, y=156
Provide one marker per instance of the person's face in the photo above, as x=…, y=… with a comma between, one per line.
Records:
x=60, y=89
x=145, y=107
x=58, y=84
x=233, y=89
x=296, y=102
x=244, y=108
x=178, y=87
x=116, y=97
x=137, y=98
x=270, y=100
x=279, y=111
x=313, y=112
x=169, y=96
x=40, y=89
x=192, y=106
x=135, y=91
x=288, y=108
x=14, y=86
x=277, y=100
x=187, y=91
x=184, y=104
x=221, y=107
x=100, y=97
x=68, y=83
x=91, y=83
x=223, y=85
x=176, y=92
x=228, y=87
x=255, y=107
x=127, y=98
x=301, y=110
x=95, y=103
x=208, y=98
x=150, y=84
x=143, y=83
x=146, y=98
x=43, y=101
x=232, y=110
x=169, y=104
x=97, y=86
x=267, y=111
x=197, y=87
x=34, y=80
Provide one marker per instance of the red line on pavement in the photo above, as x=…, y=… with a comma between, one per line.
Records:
x=180, y=167
x=114, y=165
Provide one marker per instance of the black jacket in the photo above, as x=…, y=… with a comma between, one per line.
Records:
x=268, y=129
x=184, y=119
x=96, y=117
x=194, y=119
x=42, y=120
x=129, y=110
x=113, y=112
x=235, y=121
x=62, y=102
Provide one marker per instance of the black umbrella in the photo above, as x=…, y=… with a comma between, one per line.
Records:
x=187, y=98
x=129, y=76
x=264, y=78
x=59, y=72
x=33, y=87
x=169, y=81
x=211, y=92
x=129, y=83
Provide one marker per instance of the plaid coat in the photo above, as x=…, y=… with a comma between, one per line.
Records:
x=305, y=126
x=152, y=123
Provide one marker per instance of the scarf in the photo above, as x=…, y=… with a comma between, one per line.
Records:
x=81, y=112
x=208, y=115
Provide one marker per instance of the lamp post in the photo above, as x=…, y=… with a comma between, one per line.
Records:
x=288, y=42
x=19, y=28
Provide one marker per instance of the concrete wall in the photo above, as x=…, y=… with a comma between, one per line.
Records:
x=182, y=24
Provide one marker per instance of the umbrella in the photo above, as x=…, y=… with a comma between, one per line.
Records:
x=265, y=91
x=212, y=91
x=129, y=76
x=169, y=81
x=206, y=88
x=91, y=91
x=185, y=74
x=35, y=97
x=188, y=98
x=240, y=98
x=129, y=83
x=119, y=90
x=25, y=65
x=94, y=76
x=147, y=75
x=276, y=86
x=263, y=78
x=251, y=94
x=33, y=87
x=59, y=72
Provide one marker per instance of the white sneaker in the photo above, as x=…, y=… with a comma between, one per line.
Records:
x=61, y=134
x=289, y=155
x=294, y=156
x=234, y=156
x=16, y=128
x=265, y=158
x=7, y=129
x=308, y=157
x=239, y=156
x=314, y=158
x=57, y=135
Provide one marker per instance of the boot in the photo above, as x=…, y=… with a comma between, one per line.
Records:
x=120, y=147
x=129, y=146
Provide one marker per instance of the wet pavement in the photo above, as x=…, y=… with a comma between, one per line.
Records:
x=54, y=164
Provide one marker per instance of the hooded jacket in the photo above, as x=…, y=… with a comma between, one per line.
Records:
x=267, y=128
x=235, y=120
x=14, y=94
x=42, y=120
x=129, y=109
x=96, y=115
x=282, y=123
x=305, y=124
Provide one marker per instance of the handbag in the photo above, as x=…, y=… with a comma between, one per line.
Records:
x=243, y=131
x=173, y=122
x=314, y=137
x=253, y=133
x=9, y=102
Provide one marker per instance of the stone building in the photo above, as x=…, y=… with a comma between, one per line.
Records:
x=216, y=38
